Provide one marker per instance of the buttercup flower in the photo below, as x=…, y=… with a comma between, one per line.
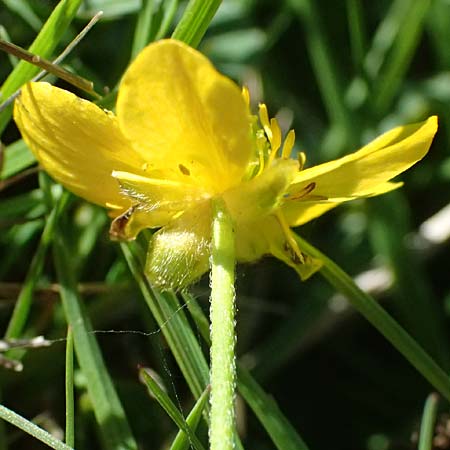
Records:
x=182, y=135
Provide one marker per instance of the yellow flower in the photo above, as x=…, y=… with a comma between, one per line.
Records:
x=182, y=135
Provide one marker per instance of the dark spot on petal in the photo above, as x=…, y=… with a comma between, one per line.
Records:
x=184, y=170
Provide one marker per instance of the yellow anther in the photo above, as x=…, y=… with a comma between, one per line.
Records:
x=288, y=145
x=275, y=141
x=246, y=95
x=301, y=160
x=291, y=242
x=264, y=118
x=261, y=143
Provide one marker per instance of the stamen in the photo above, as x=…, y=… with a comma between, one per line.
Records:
x=260, y=145
x=303, y=192
x=301, y=160
x=275, y=141
x=291, y=245
x=288, y=145
x=246, y=95
x=264, y=118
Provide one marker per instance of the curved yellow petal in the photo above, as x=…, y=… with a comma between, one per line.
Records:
x=178, y=254
x=300, y=212
x=265, y=236
x=178, y=110
x=158, y=198
x=76, y=142
x=362, y=172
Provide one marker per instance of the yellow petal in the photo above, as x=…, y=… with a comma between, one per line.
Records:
x=300, y=212
x=75, y=141
x=265, y=236
x=178, y=254
x=157, y=197
x=177, y=109
x=363, y=172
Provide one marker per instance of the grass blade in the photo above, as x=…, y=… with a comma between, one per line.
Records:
x=181, y=441
x=17, y=157
x=32, y=429
x=428, y=423
x=282, y=433
x=23, y=304
x=70, y=416
x=195, y=20
x=114, y=428
x=381, y=320
x=168, y=406
x=327, y=74
x=168, y=313
x=391, y=76
x=23, y=9
x=143, y=27
x=170, y=8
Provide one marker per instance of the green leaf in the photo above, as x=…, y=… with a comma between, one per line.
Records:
x=32, y=429
x=195, y=20
x=114, y=428
x=112, y=9
x=391, y=75
x=17, y=157
x=181, y=441
x=143, y=27
x=168, y=406
x=70, y=415
x=23, y=9
x=428, y=423
x=282, y=433
x=44, y=44
x=23, y=303
x=170, y=8
x=381, y=320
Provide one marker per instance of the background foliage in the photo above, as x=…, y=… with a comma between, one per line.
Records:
x=340, y=73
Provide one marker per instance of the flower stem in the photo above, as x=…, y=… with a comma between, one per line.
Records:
x=223, y=364
x=381, y=320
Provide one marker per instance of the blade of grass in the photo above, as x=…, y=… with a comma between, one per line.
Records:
x=17, y=157
x=172, y=411
x=32, y=429
x=23, y=9
x=44, y=44
x=428, y=423
x=5, y=36
x=170, y=8
x=391, y=76
x=381, y=320
x=326, y=71
x=173, y=323
x=70, y=416
x=143, y=27
x=389, y=221
x=385, y=36
x=23, y=303
x=113, y=424
x=357, y=34
x=282, y=433
x=181, y=441
x=195, y=20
